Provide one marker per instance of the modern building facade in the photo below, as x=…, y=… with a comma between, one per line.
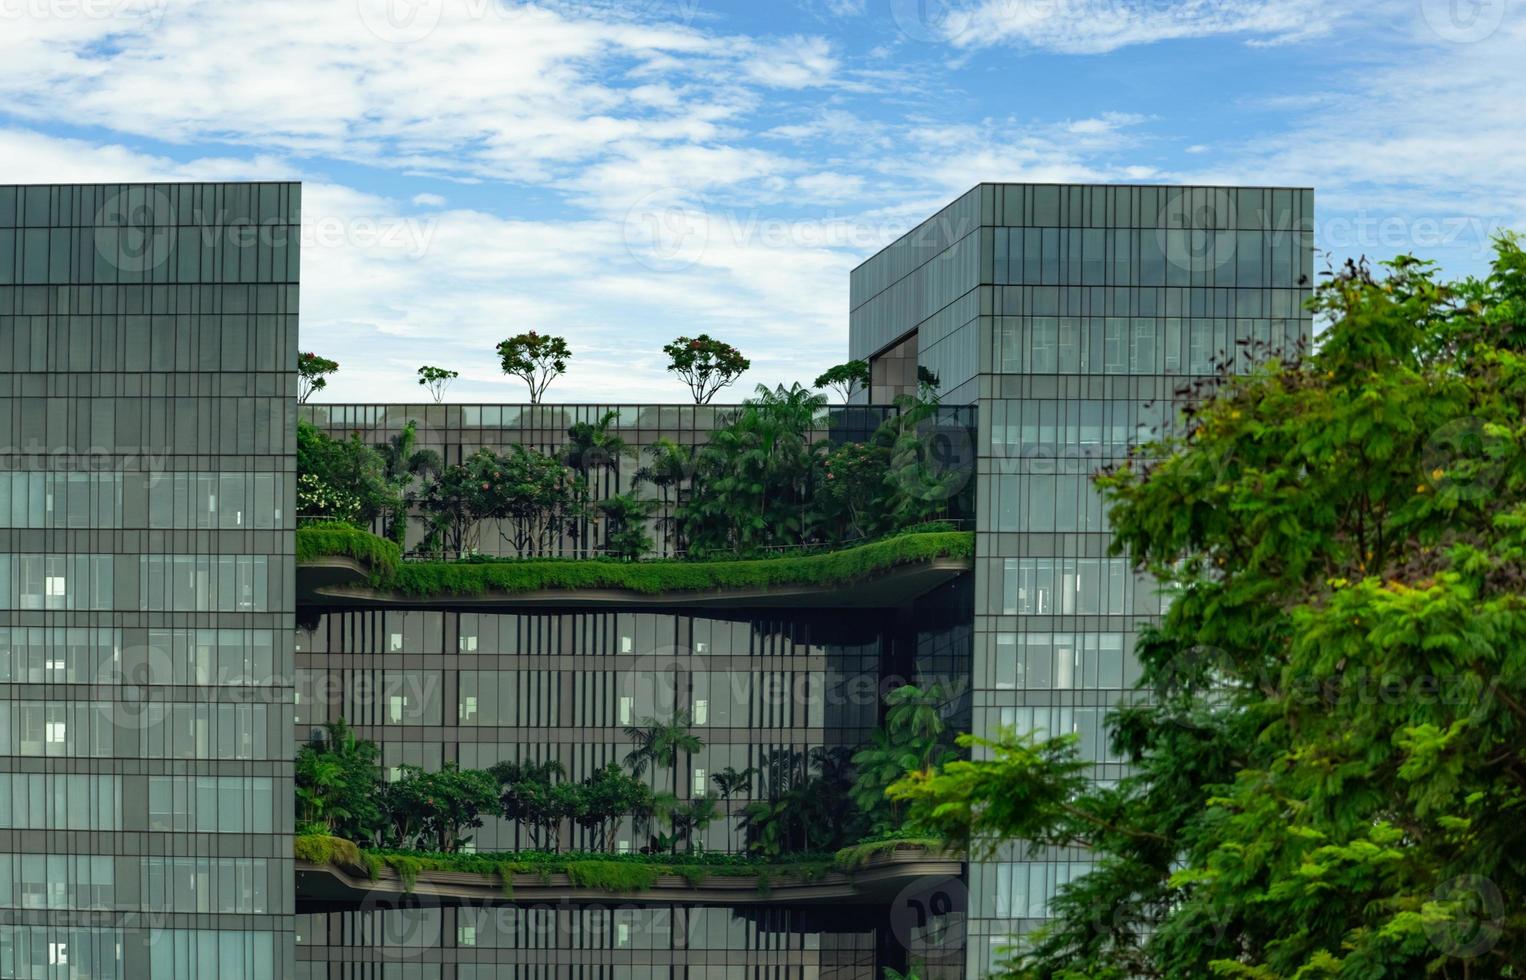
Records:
x=147, y=357
x=159, y=661
x=1070, y=317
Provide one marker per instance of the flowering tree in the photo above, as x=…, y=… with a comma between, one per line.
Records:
x=705, y=364
x=312, y=374
x=536, y=359
x=845, y=379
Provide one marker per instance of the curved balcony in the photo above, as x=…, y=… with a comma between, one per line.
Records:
x=347, y=882
x=339, y=568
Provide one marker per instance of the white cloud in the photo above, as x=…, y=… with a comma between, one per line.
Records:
x=1098, y=26
x=429, y=200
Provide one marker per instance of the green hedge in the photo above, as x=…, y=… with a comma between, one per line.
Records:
x=335, y=540
x=468, y=578
x=618, y=873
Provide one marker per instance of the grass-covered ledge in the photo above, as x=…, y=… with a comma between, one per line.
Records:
x=337, y=540
x=614, y=873
x=512, y=576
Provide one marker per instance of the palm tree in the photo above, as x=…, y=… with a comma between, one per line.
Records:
x=689, y=818
x=592, y=448
x=729, y=782
x=659, y=742
x=402, y=464
x=671, y=465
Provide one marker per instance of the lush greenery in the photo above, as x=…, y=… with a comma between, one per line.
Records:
x=467, y=578
x=796, y=803
x=1330, y=780
x=764, y=482
x=705, y=364
x=537, y=359
x=619, y=873
x=337, y=540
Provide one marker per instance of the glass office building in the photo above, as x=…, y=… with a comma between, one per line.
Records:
x=1069, y=316
x=147, y=380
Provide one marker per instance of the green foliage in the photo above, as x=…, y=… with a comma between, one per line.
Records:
x=324, y=849
x=534, y=494
x=824, y=569
x=914, y=738
x=1327, y=780
x=855, y=856
x=626, y=516
x=805, y=804
x=536, y=359
x=607, y=798
x=846, y=379
x=312, y=374
x=404, y=465
x=336, y=784
x=432, y=809
x=671, y=466
x=436, y=379
x=705, y=364
x=317, y=541
x=616, y=873
x=533, y=794
x=345, y=474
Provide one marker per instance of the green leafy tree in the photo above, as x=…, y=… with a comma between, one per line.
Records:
x=671, y=466
x=313, y=374
x=594, y=451
x=846, y=379
x=728, y=783
x=404, y=465
x=457, y=499
x=455, y=800
x=805, y=804
x=337, y=776
x=691, y=817
x=756, y=479
x=914, y=738
x=856, y=494
x=345, y=473
x=536, y=496
x=1327, y=778
x=626, y=516
x=657, y=742
x=436, y=380
x=536, y=359
x=608, y=797
x=705, y=364
x=535, y=795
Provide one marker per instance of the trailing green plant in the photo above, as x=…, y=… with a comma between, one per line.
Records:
x=334, y=540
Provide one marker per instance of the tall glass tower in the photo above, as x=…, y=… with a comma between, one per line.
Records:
x=147, y=425
x=1070, y=316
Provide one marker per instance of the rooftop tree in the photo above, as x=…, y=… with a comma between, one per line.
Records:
x=312, y=374
x=705, y=364
x=436, y=380
x=847, y=379
x=1329, y=779
x=536, y=359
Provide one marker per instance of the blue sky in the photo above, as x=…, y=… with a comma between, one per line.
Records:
x=625, y=172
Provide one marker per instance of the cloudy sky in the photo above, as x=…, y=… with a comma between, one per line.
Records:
x=624, y=171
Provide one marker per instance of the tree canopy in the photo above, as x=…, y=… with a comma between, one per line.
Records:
x=705, y=364
x=537, y=359
x=312, y=374
x=1329, y=773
